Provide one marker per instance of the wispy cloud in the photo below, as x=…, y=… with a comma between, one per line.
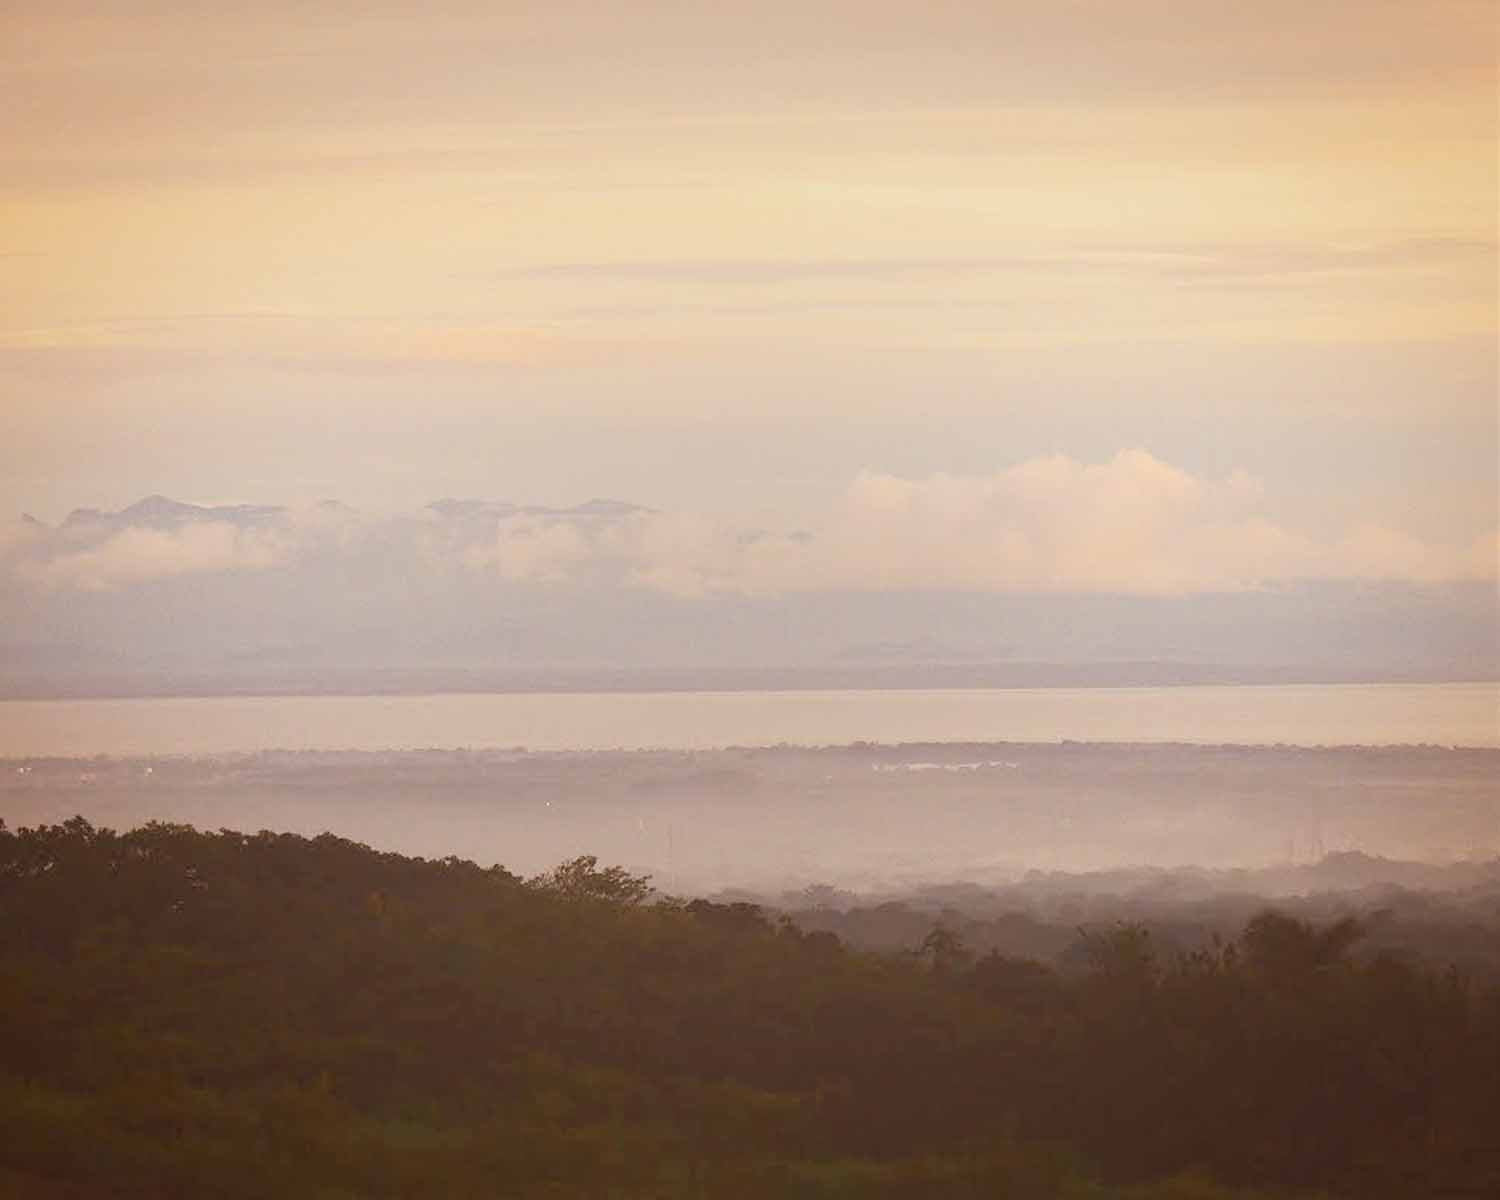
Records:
x=1185, y=262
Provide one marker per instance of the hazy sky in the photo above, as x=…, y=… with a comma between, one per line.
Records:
x=769, y=262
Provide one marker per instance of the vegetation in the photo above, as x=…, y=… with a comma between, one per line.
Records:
x=225, y=1015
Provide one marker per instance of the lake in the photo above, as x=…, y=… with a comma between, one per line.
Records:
x=1457, y=714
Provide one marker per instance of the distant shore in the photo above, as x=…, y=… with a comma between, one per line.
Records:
x=1267, y=713
x=162, y=684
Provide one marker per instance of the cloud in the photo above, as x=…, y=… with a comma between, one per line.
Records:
x=277, y=66
x=315, y=342
x=1188, y=262
x=756, y=271
x=19, y=536
x=1374, y=552
x=529, y=550
x=1131, y=525
x=137, y=554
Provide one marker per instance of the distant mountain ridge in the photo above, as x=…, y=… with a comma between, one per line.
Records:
x=158, y=511
x=462, y=509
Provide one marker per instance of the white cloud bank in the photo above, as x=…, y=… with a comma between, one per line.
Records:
x=1133, y=524
x=527, y=550
x=1130, y=525
x=138, y=554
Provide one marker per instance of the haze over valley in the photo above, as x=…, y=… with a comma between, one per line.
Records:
x=865, y=818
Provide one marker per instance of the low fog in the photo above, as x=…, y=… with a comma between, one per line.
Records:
x=864, y=818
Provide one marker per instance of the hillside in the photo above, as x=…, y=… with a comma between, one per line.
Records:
x=227, y=1015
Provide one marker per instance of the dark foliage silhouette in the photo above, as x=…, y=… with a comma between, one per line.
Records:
x=231, y=1015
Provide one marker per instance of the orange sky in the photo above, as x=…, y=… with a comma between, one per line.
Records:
x=732, y=256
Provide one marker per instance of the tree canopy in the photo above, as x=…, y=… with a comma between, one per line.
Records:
x=223, y=1014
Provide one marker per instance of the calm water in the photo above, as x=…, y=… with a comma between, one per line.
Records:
x=1462, y=714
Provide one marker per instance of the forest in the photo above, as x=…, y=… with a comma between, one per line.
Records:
x=221, y=1014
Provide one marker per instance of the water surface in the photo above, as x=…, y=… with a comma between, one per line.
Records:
x=1457, y=714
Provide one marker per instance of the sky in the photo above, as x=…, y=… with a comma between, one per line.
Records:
x=1124, y=296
